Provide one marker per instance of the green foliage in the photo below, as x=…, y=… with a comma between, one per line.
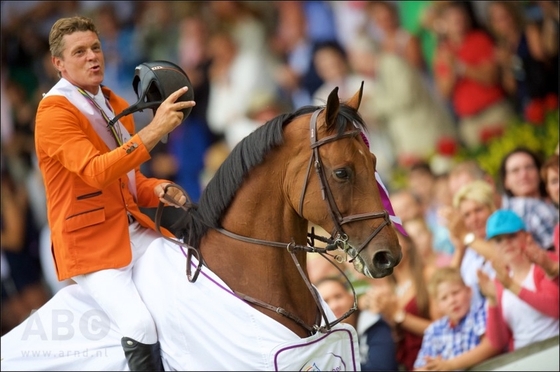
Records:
x=541, y=138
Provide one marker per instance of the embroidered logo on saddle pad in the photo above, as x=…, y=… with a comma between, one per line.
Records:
x=332, y=351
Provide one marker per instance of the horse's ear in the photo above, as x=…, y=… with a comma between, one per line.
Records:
x=355, y=101
x=331, y=110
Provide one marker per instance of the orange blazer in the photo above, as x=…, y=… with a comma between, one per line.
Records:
x=87, y=187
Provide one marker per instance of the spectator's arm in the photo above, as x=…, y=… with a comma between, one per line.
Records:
x=458, y=255
x=415, y=324
x=535, y=42
x=444, y=74
x=486, y=73
x=548, y=261
x=474, y=356
x=544, y=299
x=484, y=248
x=504, y=57
x=426, y=350
x=496, y=327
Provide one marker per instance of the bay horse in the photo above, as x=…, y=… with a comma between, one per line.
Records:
x=248, y=304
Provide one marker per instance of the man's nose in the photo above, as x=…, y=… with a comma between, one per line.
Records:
x=91, y=54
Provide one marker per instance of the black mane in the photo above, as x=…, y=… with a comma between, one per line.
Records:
x=248, y=153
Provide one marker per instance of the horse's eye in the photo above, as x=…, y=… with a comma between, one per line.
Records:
x=342, y=174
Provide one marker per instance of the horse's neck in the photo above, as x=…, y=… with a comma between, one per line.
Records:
x=266, y=273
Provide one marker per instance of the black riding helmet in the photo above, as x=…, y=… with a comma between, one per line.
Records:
x=155, y=81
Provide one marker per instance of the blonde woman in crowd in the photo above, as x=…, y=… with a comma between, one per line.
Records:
x=472, y=204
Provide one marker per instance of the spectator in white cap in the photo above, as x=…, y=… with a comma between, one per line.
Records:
x=522, y=301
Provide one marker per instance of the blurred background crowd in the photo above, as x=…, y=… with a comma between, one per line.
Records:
x=445, y=84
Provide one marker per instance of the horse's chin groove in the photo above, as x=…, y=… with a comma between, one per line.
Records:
x=381, y=274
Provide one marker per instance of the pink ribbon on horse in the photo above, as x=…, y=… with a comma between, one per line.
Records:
x=385, y=198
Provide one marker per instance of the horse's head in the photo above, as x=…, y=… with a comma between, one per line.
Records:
x=340, y=190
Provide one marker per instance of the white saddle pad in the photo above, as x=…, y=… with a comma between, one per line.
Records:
x=201, y=326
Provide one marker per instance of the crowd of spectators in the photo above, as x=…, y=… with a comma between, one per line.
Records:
x=434, y=71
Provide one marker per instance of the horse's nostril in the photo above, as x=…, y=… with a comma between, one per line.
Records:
x=383, y=260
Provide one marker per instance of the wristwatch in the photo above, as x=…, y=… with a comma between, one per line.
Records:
x=398, y=318
x=469, y=239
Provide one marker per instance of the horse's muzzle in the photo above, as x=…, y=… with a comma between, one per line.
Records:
x=384, y=262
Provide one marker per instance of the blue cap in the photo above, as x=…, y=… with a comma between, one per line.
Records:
x=502, y=222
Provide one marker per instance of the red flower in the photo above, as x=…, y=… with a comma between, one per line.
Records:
x=447, y=146
x=534, y=111
x=551, y=102
x=487, y=134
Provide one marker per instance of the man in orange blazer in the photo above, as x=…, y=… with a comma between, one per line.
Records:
x=94, y=186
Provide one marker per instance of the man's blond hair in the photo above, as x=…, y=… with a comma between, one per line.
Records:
x=67, y=26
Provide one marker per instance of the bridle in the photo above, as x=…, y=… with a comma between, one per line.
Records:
x=338, y=240
x=340, y=237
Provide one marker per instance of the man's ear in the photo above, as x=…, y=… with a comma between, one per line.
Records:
x=57, y=62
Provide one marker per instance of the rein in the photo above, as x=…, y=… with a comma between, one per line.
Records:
x=340, y=240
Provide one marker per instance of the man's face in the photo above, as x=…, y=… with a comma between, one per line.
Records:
x=82, y=62
x=454, y=300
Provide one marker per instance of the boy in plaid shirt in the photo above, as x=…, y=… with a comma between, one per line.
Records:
x=455, y=341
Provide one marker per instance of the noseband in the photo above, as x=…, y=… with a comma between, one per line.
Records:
x=338, y=237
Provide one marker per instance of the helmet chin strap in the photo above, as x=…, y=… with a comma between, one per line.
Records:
x=138, y=106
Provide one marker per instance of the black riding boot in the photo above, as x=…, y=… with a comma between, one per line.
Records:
x=142, y=357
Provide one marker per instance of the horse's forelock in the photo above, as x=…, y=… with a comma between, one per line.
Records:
x=348, y=117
